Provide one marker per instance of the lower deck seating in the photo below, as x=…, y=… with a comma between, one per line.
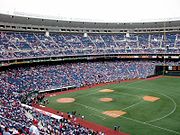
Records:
x=19, y=81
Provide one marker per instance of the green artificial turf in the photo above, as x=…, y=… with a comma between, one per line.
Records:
x=143, y=118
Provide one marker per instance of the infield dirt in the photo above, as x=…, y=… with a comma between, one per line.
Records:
x=106, y=90
x=114, y=113
x=65, y=100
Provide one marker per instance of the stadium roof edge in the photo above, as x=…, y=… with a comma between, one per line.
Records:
x=27, y=21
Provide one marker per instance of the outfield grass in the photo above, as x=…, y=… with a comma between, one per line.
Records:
x=143, y=118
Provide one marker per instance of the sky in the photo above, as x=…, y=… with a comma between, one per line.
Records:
x=95, y=10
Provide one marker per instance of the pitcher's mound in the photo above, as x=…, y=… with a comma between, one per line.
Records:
x=114, y=113
x=106, y=90
x=106, y=99
x=65, y=100
x=150, y=98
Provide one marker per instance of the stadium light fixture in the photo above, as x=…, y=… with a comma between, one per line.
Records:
x=85, y=35
x=47, y=33
x=127, y=34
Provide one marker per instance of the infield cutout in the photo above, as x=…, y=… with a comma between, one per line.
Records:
x=150, y=98
x=114, y=113
x=106, y=90
x=105, y=99
x=65, y=100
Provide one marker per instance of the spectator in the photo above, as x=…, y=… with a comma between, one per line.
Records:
x=23, y=83
x=33, y=130
x=1, y=132
x=6, y=131
x=20, y=132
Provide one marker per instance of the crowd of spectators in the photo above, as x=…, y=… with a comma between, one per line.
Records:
x=20, y=81
x=17, y=83
x=73, y=74
x=14, y=45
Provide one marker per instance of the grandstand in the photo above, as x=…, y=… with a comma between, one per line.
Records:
x=43, y=55
x=23, y=45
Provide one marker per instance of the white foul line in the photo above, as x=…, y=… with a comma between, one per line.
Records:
x=145, y=123
x=166, y=129
x=132, y=105
x=171, y=112
x=91, y=108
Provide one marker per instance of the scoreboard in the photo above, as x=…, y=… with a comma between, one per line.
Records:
x=167, y=70
x=174, y=68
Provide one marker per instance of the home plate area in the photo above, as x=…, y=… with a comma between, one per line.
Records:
x=114, y=113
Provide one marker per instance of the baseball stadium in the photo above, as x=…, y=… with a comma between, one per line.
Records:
x=89, y=76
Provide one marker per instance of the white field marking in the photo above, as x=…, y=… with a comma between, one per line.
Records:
x=141, y=122
x=145, y=123
x=176, y=93
x=91, y=108
x=94, y=109
x=132, y=105
x=99, y=116
x=127, y=94
x=133, y=96
x=121, y=109
x=175, y=105
x=171, y=112
x=88, y=107
x=138, y=96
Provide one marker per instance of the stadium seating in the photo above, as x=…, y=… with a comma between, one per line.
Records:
x=28, y=44
x=17, y=82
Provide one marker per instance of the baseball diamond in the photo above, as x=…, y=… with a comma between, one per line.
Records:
x=153, y=114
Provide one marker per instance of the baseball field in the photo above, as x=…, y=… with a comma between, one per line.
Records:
x=139, y=107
